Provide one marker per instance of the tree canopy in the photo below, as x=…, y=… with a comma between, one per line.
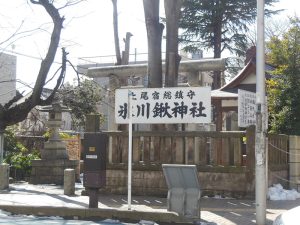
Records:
x=283, y=88
x=218, y=24
x=82, y=99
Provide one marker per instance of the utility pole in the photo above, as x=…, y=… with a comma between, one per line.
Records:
x=261, y=127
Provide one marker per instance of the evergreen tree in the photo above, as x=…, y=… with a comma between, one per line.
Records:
x=218, y=25
x=283, y=88
x=81, y=99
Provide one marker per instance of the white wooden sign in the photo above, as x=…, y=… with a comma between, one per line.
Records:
x=164, y=105
x=246, y=108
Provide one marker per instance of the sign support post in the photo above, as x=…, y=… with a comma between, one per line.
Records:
x=129, y=148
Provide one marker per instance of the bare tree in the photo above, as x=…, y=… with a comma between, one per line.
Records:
x=172, y=10
x=116, y=32
x=154, y=34
x=10, y=113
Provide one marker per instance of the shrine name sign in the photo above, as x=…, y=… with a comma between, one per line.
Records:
x=163, y=105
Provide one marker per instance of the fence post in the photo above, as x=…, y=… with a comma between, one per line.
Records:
x=294, y=159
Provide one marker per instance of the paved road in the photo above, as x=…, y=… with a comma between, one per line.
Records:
x=23, y=198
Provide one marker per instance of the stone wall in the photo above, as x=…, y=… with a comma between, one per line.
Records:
x=73, y=146
x=232, y=182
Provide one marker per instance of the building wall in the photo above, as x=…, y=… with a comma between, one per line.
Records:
x=8, y=65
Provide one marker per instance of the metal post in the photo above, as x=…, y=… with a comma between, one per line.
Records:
x=260, y=138
x=93, y=197
x=129, y=148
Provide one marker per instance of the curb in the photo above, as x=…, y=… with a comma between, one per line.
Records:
x=97, y=214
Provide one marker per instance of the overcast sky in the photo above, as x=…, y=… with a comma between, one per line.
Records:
x=88, y=30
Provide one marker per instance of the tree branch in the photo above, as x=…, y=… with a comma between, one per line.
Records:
x=59, y=80
x=55, y=38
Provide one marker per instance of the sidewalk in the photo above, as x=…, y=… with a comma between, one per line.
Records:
x=49, y=200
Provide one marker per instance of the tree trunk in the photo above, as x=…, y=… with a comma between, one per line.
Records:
x=217, y=75
x=217, y=53
x=154, y=35
x=172, y=10
x=125, y=53
x=116, y=32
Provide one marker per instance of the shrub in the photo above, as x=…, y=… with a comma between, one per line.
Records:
x=18, y=156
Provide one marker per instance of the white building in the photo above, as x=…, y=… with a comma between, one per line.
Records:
x=8, y=65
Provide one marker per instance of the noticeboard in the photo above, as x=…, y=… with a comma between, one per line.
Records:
x=246, y=108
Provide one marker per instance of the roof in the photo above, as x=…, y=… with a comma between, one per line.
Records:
x=242, y=75
x=223, y=94
x=250, y=68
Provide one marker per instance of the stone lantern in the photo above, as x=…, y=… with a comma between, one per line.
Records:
x=54, y=148
x=54, y=157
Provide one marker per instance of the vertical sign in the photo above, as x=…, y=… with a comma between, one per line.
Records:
x=246, y=108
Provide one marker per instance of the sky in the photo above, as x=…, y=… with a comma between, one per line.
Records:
x=88, y=31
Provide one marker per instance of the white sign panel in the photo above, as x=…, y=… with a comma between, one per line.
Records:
x=246, y=108
x=164, y=105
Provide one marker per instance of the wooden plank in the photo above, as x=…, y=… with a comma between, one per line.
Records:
x=168, y=156
x=146, y=147
x=156, y=149
x=162, y=152
x=151, y=152
x=136, y=152
x=237, y=152
x=124, y=149
x=202, y=150
x=214, y=151
x=179, y=150
x=224, y=151
x=189, y=150
x=196, y=150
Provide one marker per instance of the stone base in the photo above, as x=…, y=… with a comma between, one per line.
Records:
x=51, y=171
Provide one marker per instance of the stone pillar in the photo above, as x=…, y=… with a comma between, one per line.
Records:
x=294, y=159
x=69, y=181
x=4, y=176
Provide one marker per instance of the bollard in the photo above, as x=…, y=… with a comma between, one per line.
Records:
x=93, y=197
x=69, y=181
x=4, y=176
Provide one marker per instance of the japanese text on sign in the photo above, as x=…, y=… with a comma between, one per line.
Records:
x=164, y=105
x=246, y=108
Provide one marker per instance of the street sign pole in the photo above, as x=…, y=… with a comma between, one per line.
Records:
x=129, y=147
x=261, y=127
